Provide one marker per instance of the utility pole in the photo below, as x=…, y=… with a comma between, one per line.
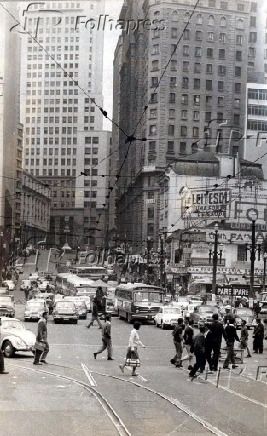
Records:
x=162, y=262
x=215, y=259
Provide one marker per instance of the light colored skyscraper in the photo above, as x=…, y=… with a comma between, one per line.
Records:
x=61, y=78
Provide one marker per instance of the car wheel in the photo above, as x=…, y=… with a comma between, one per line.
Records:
x=75, y=321
x=55, y=321
x=162, y=325
x=129, y=318
x=8, y=349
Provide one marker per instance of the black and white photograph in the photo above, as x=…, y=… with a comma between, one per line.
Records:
x=133, y=217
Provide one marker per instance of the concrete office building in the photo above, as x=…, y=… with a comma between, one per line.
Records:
x=11, y=132
x=61, y=77
x=35, y=210
x=176, y=97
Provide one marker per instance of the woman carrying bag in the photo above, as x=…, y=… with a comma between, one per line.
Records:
x=132, y=357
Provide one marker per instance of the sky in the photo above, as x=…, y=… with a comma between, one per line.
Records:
x=112, y=8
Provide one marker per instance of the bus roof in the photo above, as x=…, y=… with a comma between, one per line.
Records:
x=134, y=286
x=79, y=281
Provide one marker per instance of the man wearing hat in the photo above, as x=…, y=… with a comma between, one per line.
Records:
x=229, y=317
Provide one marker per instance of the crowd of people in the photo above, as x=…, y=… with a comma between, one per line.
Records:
x=205, y=347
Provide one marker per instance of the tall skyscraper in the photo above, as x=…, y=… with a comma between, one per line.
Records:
x=61, y=77
x=182, y=86
x=10, y=138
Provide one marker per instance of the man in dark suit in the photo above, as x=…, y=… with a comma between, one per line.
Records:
x=40, y=355
x=217, y=333
x=106, y=338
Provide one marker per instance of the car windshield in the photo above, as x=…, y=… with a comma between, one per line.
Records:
x=207, y=309
x=79, y=303
x=147, y=297
x=12, y=324
x=34, y=304
x=172, y=310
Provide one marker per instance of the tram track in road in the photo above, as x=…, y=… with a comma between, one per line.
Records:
x=107, y=407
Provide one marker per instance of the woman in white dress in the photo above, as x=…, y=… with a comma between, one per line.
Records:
x=134, y=342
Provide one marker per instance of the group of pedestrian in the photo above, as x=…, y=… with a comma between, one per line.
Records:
x=205, y=347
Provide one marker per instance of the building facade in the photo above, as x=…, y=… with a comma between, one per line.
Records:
x=182, y=85
x=61, y=87
x=11, y=136
x=207, y=189
x=35, y=210
x=255, y=138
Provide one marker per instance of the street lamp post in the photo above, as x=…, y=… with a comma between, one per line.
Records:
x=162, y=262
x=215, y=258
x=253, y=216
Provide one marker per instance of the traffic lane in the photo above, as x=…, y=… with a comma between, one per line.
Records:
x=32, y=402
x=74, y=344
x=201, y=398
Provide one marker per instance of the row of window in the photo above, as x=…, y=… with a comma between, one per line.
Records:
x=257, y=125
x=50, y=162
x=199, y=35
x=56, y=130
x=257, y=94
x=52, y=172
x=257, y=110
x=51, y=141
x=153, y=130
x=42, y=56
x=52, y=65
x=52, y=151
x=52, y=92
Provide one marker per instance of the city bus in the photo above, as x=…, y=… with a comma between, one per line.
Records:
x=76, y=283
x=93, y=272
x=61, y=283
x=138, y=301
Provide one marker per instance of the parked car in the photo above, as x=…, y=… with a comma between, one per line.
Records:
x=19, y=267
x=49, y=299
x=43, y=285
x=26, y=284
x=80, y=306
x=3, y=290
x=65, y=311
x=7, y=306
x=167, y=316
x=86, y=299
x=244, y=313
x=9, y=284
x=34, y=309
x=203, y=314
x=33, y=277
x=15, y=337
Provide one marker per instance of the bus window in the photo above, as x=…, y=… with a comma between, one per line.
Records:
x=141, y=296
x=155, y=298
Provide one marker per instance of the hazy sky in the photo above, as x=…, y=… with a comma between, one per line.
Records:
x=112, y=8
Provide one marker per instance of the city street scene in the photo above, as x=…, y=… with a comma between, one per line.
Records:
x=133, y=218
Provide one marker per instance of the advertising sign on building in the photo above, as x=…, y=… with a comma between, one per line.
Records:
x=200, y=203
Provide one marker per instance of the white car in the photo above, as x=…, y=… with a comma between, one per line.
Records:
x=167, y=316
x=34, y=309
x=9, y=284
x=15, y=337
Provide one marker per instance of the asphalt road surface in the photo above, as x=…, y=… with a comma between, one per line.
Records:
x=76, y=394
